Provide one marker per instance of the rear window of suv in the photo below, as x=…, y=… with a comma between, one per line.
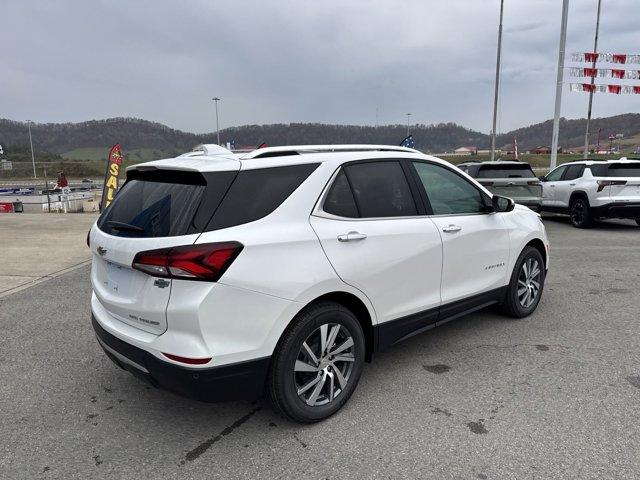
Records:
x=505, y=171
x=615, y=170
x=167, y=203
x=163, y=203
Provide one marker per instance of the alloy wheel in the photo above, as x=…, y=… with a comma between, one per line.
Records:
x=529, y=282
x=578, y=212
x=324, y=364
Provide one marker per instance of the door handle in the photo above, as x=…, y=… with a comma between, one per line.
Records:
x=452, y=229
x=552, y=186
x=351, y=237
x=572, y=184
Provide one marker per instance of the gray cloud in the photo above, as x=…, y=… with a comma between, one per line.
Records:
x=297, y=60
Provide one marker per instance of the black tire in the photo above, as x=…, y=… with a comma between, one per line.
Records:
x=580, y=213
x=284, y=382
x=512, y=305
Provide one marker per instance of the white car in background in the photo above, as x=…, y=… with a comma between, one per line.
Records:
x=283, y=271
x=594, y=189
x=509, y=178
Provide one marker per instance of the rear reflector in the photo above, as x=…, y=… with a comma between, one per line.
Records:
x=186, y=360
x=606, y=183
x=207, y=261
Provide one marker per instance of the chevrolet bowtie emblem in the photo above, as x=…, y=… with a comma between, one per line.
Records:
x=101, y=251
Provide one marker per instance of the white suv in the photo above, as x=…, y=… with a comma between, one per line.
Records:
x=283, y=271
x=592, y=189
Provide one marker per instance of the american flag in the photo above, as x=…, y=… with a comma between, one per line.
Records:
x=408, y=142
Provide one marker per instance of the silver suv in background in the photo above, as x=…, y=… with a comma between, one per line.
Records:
x=511, y=179
x=592, y=189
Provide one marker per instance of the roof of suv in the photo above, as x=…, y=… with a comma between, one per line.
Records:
x=592, y=161
x=495, y=162
x=204, y=159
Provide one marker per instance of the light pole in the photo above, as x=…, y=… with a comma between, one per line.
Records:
x=556, y=116
x=33, y=158
x=593, y=79
x=216, y=99
x=408, y=116
x=497, y=86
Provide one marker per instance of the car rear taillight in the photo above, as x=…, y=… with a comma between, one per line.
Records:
x=207, y=261
x=187, y=360
x=606, y=183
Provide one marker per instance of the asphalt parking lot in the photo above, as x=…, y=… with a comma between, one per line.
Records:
x=556, y=395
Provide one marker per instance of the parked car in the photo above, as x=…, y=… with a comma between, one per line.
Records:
x=594, y=189
x=511, y=179
x=285, y=270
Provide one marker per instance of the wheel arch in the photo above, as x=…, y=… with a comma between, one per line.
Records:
x=359, y=309
x=579, y=194
x=539, y=245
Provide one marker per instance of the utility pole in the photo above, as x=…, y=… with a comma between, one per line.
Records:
x=216, y=99
x=408, y=116
x=593, y=79
x=497, y=86
x=556, y=116
x=33, y=158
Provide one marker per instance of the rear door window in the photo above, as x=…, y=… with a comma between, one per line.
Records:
x=381, y=189
x=256, y=193
x=505, y=171
x=340, y=199
x=160, y=204
x=573, y=172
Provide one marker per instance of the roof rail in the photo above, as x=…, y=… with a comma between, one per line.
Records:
x=302, y=149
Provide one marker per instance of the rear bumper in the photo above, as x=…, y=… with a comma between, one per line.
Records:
x=244, y=380
x=618, y=210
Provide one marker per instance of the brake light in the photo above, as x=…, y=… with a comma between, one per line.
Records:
x=187, y=360
x=606, y=183
x=207, y=261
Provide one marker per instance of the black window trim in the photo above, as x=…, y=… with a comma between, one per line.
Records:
x=485, y=198
x=415, y=186
x=319, y=211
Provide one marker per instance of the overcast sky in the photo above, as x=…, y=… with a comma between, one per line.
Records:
x=299, y=60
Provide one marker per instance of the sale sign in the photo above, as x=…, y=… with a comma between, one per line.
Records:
x=114, y=166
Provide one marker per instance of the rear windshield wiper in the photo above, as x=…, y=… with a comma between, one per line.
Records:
x=127, y=227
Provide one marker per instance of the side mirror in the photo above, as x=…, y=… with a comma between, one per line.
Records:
x=502, y=204
x=542, y=178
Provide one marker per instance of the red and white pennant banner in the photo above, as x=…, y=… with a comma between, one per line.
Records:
x=604, y=73
x=596, y=88
x=590, y=57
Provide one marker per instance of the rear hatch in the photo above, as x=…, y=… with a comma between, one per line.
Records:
x=623, y=182
x=155, y=208
x=515, y=181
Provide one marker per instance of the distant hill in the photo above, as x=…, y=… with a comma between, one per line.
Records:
x=146, y=140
